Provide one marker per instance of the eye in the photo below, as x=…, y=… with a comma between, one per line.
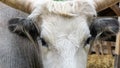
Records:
x=87, y=41
x=44, y=42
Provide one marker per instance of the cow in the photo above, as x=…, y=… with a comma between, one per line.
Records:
x=64, y=28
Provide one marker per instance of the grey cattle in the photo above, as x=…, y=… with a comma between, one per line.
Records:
x=64, y=27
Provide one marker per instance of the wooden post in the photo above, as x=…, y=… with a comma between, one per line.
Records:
x=109, y=45
x=117, y=51
x=97, y=47
x=101, y=47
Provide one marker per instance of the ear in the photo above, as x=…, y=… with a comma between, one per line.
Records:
x=104, y=28
x=19, y=25
x=13, y=26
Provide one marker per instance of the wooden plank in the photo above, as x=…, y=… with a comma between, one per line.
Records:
x=117, y=51
x=109, y=44
x=116, y=9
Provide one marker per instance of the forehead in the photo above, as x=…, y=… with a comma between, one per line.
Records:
x=68, y=21
x=59, y=27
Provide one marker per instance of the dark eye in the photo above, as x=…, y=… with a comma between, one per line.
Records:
x=87, y=41
x=43, y=42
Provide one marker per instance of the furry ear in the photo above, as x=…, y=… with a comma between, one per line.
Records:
x=14, y=26
x=104, y=28
x=19, y=25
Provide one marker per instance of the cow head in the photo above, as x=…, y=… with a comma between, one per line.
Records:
x=64, y=28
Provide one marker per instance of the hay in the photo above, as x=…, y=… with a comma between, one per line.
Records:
x=101, y=61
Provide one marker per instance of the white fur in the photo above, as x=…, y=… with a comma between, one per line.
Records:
x=65, y=29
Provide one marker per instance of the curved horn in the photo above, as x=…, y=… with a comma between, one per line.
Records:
x=103, y=4
x=23, y=5
x=28, y=5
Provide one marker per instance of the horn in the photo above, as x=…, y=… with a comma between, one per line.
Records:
x=103, y=4
x=23, y=5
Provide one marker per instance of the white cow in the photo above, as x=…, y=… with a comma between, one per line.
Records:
x=64, y=27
